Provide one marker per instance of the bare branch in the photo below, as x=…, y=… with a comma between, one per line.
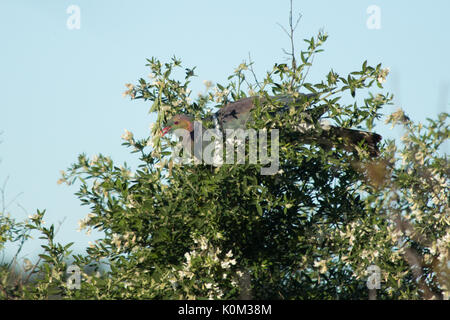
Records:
x=290, y=33
x=250, y=66
x=415, y=260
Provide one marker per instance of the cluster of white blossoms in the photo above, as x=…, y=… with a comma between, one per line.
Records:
x=202, y=263
x=63, y=177
x=243, y=66
x=383, y=75
x=441, y=247
x=208, y=84
x=185, y=91
x=123, y=241
x=379, y=99
x=426, y=200
x=130, y=91
x=34, y=217
x=155, y=136
x=128, y=136
x=83, y=223
x=126, y=173
x=154, y=82
x=94, y=160
x=131, y=202
x=321, y=265
x=219, y=95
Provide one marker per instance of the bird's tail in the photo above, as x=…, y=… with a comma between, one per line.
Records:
x=336, y=137
x=352, y=138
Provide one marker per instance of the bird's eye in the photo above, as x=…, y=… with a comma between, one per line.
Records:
x=176, y=122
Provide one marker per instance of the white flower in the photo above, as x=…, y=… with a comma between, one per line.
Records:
x=127, y=136
x=27, y=265
x=241, y=67
x=322, y=265
x=126, y=173
x=165, y=107
x=378, y=99
x=383, y=74
x=203, y=244
x=34, y=216
x=116, y=241
x=220, y=94
x=156, y=83
x=188, y=257
x=185, y=91
x=182, y=274
x=325, y=124
x=81, y=224
x=208, y=84
x=131, y=202
x=94, y=160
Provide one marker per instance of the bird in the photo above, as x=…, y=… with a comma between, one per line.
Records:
x=235, y=115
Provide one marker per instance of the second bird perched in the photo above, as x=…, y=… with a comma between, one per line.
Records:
x=235, y=115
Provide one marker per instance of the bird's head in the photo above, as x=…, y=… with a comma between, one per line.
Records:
x=179, y=121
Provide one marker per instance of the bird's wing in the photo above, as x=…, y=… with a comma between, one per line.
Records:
x=235, y=115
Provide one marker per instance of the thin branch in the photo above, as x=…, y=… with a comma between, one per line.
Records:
x=290, y=33
x=415, y=260
x=307, y=69
x=250, y=65
x=2, y=192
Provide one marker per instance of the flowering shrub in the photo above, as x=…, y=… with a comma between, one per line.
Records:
x=311, y=231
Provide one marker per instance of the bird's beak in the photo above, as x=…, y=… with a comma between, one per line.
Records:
x=165, y=130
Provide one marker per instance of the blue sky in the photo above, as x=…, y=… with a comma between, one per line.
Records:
x=61, y=89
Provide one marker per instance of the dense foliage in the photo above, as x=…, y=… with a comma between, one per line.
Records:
x=311, y=231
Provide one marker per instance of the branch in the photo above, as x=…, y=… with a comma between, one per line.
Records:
x=415, y=261
x=290, y=33
x=250, y=67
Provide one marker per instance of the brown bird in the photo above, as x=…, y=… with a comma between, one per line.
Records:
x=235, y=115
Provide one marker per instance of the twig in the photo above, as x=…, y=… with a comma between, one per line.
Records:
x=290, y=33
x=250, y=65
x=415, y=260
x=307, y=69
x=2, y=191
